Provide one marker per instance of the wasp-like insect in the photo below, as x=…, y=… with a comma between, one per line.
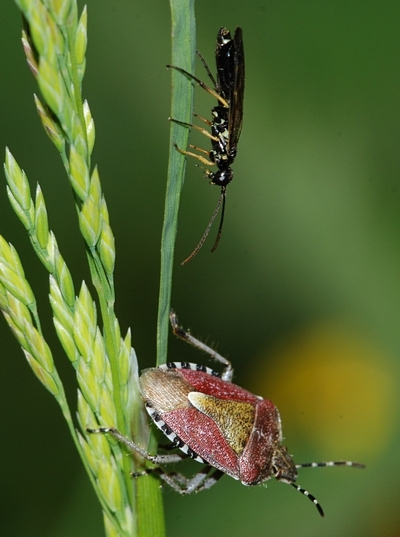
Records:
x=227, y=118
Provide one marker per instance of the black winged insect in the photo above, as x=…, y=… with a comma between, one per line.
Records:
x=226, y=123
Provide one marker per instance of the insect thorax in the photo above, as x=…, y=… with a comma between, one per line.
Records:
x=220, y=153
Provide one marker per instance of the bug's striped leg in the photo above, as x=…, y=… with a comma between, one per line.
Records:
x=155, y=459
x=203, y=480
x=186, y=336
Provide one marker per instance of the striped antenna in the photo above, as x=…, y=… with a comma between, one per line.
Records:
x=310, y=497
x=321, y=465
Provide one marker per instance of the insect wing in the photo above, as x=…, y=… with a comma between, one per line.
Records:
x=229, y=56
x=224, y=58
x=237, y=92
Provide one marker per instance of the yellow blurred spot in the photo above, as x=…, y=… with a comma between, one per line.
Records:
x=334, y=389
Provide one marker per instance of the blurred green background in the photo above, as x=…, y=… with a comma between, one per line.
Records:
x=303, y=293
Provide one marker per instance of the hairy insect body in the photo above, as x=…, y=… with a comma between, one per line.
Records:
x=223, y=424
x=217, y=423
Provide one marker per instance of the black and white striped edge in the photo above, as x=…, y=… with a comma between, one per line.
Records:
x=169, y=433
x=330, y=463
x=188, y=365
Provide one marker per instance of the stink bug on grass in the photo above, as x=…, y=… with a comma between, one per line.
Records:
x=227, y=118
x=216, y=423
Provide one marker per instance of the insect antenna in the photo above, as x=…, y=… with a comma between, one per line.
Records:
x=330, y=463
x=207, y=231
x=223, y=196
x=312, y=498
x=322, y=465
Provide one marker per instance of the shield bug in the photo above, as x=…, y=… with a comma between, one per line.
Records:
x=226, y=123
x=213, y=421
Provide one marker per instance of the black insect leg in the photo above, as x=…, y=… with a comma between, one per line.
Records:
x=203, y=61
x=186, y=336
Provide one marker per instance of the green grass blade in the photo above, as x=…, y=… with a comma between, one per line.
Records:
x=183, y=55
